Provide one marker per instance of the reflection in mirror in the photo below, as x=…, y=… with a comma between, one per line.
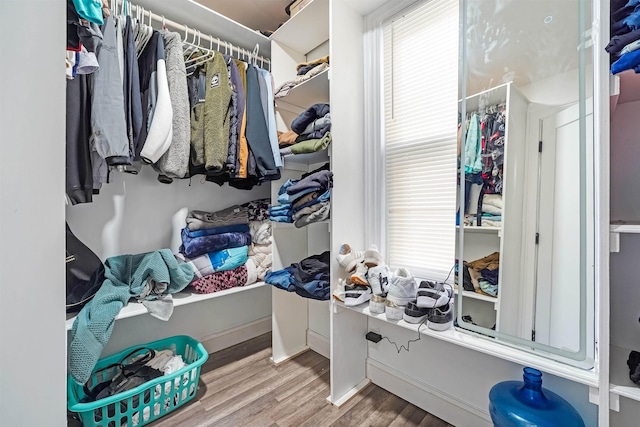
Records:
x=525, y=215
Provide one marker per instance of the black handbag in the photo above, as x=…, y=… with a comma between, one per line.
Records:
x=85, y=273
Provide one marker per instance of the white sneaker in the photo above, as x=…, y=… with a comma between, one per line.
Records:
x=348, y=258
x=376, y=304
x=403, y=288
x=433, y=294
x=356, y=294
x=359, y=277
x=379, y=278
x=392, y=310
x=372, y=257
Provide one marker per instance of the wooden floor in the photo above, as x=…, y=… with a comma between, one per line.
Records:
x=240, y=386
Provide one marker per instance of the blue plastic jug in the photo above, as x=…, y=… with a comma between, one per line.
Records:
x=515, y=404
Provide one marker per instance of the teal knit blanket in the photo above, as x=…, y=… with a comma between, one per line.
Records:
x=125, y=278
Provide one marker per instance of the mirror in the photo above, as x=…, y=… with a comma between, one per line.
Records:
x=525, y=240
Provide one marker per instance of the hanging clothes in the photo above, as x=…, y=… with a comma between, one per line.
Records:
x=132, y=95
x=156, y=103
x=107, y=107
x=237, y=109
x=271, y=117
x=197, y=85
x=217, y=104
x=257, y=131
x=79, y=175
x=174, y=163
x=473, y=147
x=243, y=145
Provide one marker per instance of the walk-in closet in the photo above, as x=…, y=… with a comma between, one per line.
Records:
x=317, y=212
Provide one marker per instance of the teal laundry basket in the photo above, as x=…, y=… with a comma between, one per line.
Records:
x=147, y=402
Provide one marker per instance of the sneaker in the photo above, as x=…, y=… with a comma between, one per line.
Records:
x=379, y=278
x=433, y=294
x=392, y=310
x=356, y=294
x=372, y=257
x=440, y=318
x=348, y=258
x=376, y=304
x=403, y=287
x=414, y=314
x=359, y=277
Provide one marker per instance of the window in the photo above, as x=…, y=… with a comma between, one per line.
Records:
x=420, y=81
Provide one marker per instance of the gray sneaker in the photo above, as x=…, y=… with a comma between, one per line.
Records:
x=440, y=318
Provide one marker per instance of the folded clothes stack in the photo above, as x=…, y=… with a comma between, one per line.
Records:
x=306, y=200
x=491, y=210
x=624, y=46
x=310, y=132
x=481, y=276
x=227, y=248
x=305, y=71
x=309, y=278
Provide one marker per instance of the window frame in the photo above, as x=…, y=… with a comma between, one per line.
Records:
x=374, y=120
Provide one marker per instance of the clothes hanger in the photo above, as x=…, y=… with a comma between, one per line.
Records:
x=148, y=33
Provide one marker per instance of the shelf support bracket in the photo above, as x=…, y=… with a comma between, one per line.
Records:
x=594, y=395
x=614, y=242
x=614, y=402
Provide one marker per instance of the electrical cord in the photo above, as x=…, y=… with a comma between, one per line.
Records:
x=406, y=348
x=399, y=349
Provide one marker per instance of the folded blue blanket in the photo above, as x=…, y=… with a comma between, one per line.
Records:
x=238, y=228
x=195, y=246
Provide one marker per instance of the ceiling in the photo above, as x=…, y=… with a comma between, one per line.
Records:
x=261, y=15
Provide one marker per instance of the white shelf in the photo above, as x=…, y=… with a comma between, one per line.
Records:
x=301, y=162
x=480, y=297
x=307, y=93
x=621, y=227
x=281, y=225
x=307, y=29
x=476, y=229
x=625, y=227
x=210, y=22
x=619, y=371
x=488, y=346
x=180, y=298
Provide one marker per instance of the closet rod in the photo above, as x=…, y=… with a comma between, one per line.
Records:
x=242, y=54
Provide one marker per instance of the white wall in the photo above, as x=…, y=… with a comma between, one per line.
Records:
x=625, y=157
x=625, y=205
x=136, y=213
x=463, y=375
x=32, y=163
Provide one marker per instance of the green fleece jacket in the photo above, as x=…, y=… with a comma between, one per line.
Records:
x=125, y=278
x=217, y=114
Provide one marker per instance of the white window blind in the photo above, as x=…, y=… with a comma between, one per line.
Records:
x=420, y=134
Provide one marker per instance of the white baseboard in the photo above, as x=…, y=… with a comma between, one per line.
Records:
x=348, y=395
x=318, y=343
x=229, y=337
x=443, y=405
x=289, y=356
